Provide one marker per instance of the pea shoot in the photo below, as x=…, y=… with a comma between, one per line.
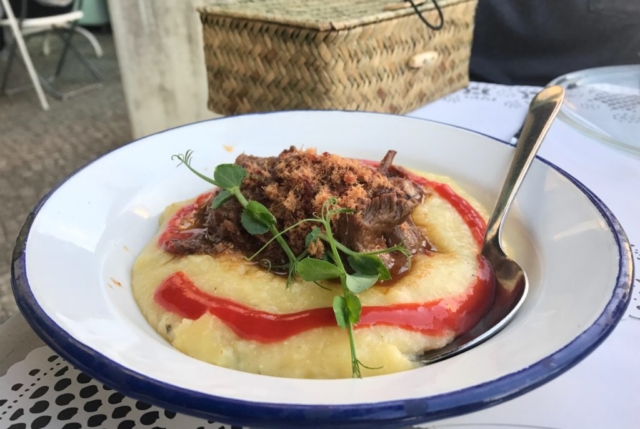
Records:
x=366, y=268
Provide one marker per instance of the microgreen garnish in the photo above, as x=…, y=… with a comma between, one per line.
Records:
x=255, y=218
x=222, y=197
x=366, y=267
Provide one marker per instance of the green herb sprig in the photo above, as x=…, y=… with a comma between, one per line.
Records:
x=255, y=217
x=367, y=268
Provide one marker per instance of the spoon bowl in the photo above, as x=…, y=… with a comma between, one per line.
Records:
x=511, y=285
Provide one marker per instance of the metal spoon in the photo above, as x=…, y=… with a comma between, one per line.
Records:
x=512, y=285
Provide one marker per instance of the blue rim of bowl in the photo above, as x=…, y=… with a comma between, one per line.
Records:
x=382, y=414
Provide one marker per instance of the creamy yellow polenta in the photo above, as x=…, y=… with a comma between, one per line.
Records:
x=323, y=352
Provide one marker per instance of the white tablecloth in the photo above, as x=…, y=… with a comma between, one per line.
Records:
x=603, y=391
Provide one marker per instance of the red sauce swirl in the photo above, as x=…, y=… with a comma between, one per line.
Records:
x=455, y=314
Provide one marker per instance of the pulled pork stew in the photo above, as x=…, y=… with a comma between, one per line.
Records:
x=293, y=186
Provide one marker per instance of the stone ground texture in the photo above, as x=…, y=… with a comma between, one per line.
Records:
x=39, y=149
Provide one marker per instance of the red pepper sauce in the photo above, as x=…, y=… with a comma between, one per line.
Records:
x=456, y=314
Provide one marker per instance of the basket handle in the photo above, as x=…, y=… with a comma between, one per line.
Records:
x=414, y=3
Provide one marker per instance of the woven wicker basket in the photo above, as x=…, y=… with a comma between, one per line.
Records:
x=266, y=55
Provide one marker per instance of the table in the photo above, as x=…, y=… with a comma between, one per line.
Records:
x=600, y=392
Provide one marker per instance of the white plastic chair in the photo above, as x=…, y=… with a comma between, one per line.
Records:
x=63, y=25
x=46, y=45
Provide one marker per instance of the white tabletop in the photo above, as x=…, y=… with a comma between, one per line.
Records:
x=601, y=391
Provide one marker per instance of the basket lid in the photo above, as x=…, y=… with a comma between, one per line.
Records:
x=321, y=15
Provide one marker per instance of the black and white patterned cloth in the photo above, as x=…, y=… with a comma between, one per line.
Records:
x=45, y=391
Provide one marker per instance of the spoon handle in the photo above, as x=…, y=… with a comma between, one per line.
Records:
x=542, y=110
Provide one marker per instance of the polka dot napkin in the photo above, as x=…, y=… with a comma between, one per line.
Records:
x=45, y=391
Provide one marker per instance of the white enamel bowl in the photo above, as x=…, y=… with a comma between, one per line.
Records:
x=83, y=238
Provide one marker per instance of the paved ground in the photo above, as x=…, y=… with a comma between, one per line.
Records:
x=39, y=149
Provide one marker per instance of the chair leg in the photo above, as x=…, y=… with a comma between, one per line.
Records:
x=66, y=33
x=13, y=47
x=45, y=85
x=65, y=48
x=46, y=44
x=69, y=45
x=17, y=38
x=33, y=75
x=97, y=48
x=92, y=39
